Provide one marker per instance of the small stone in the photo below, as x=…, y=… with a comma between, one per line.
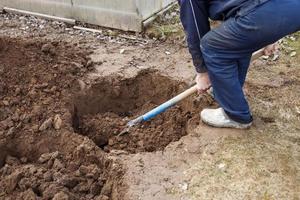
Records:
x=292, y=38
x=111, y=142
x=57, y=122
x=222, y=167
x=293, y=54
x=275, y=57
x=122, y=51
x=46, y=124
x=184, y=186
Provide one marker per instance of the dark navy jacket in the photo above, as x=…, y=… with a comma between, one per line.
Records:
x=194, y=15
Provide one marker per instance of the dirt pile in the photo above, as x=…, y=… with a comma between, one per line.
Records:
x=40, y=156
x=51, y=176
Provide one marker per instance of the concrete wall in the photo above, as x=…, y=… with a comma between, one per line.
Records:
x=146, y=8
x=60, y=8
x=120, y=14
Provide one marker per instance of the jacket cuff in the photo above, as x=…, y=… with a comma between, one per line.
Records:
x=199, y=66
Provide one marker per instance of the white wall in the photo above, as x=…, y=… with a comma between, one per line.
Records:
x=120, y=14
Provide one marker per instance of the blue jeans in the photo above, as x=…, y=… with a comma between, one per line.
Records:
x=227, y=49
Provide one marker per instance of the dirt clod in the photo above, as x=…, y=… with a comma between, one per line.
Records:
x=48, y=49
x=57, y=122
x=61, y=196
x=12, y=181
x=29, y=195
x=46, y=124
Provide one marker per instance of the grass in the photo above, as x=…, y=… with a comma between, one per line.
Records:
x=294, y=42
x=167, y=28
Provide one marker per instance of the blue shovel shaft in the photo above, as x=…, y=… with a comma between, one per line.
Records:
x=156, y=111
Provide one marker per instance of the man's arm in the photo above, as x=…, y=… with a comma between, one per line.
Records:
x=194, y=17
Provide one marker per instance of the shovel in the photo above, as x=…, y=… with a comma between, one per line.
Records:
x=163, y=107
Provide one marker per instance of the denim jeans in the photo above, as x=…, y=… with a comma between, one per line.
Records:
x=227, y=49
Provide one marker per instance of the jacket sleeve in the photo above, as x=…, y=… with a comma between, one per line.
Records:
x=194, y=18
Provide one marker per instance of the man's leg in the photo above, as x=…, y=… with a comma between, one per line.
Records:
x=243, y=65
x=226, y=50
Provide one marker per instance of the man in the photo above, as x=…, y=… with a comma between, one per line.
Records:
x=222, y=55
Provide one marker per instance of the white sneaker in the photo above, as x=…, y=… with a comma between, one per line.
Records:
x=218, y=118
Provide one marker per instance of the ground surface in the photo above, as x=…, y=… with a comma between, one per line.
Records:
x=66, y=95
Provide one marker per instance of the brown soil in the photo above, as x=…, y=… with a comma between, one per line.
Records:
x=104, y=110
x=40, y=156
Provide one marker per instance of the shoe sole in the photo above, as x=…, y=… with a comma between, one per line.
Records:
x=232, y=126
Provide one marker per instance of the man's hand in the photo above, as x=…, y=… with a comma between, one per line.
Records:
x=271, y=49
x=203, y=82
